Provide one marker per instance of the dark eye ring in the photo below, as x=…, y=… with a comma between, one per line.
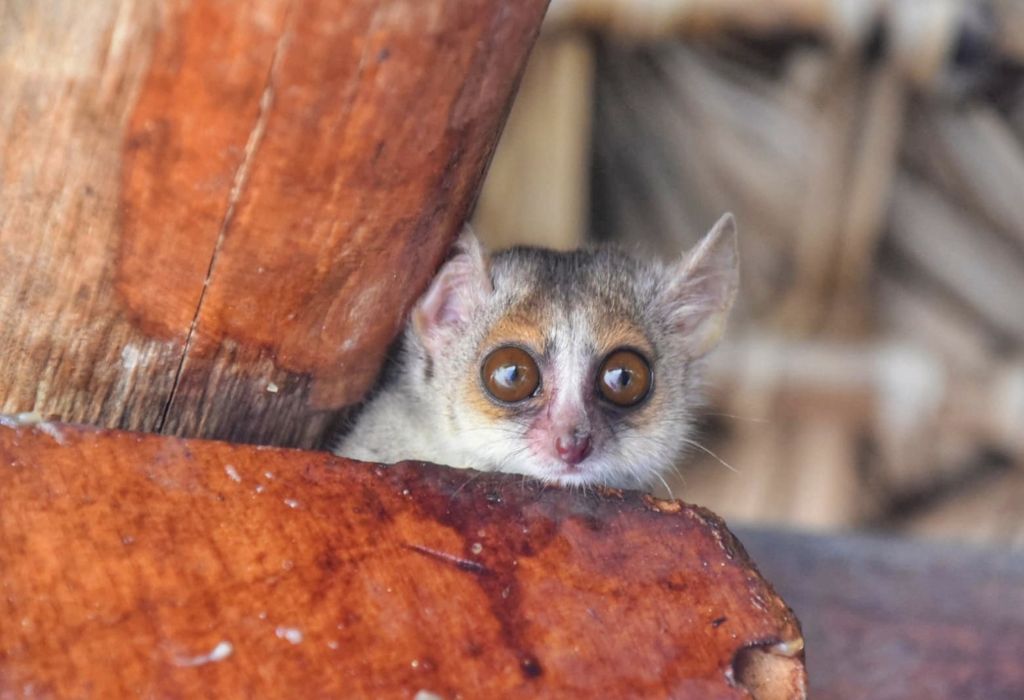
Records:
x=624, y=378
x=510, y=374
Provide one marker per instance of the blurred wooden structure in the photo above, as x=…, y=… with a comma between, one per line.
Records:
x=873, y=153
x=536, y=188
x=161, y=567
x=214, y=215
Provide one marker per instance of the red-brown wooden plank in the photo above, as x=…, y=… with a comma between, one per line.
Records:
x=127, y=560
x=214, y=215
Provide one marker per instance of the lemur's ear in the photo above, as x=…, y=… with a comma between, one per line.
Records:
x=703, y=286
x=458, y=289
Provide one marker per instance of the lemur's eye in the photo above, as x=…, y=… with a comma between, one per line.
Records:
x=510, y=374
x=625, y=378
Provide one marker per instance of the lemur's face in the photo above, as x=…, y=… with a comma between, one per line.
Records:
x=577, y=368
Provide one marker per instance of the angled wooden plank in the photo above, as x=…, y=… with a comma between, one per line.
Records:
x=214, y=215
x=147, y=565
x=378, y=124
x=70, y=75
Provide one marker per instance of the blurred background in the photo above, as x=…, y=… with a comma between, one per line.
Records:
x=872, y=376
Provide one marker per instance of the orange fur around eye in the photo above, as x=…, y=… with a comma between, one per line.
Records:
x=622, y=333
x=517, y=329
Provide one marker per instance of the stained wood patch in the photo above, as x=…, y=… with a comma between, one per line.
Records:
x=213, y=216
x=155, y=566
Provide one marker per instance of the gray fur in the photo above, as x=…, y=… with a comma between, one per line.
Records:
x=430, y=409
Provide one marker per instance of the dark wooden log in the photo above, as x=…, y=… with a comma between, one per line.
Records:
x=213, y=215
x=141, y=565
x=893, y=620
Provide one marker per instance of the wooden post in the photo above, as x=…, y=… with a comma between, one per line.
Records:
x=213, y=216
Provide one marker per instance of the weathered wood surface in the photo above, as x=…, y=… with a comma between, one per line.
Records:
x=214, y=215
x=899, y=620
x=158, y=567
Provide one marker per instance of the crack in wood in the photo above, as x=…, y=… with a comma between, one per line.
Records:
x=456, y=561
x=238, y=184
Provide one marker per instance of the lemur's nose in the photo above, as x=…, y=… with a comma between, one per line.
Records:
x=572, y=448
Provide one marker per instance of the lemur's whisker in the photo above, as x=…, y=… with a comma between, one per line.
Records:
x=665, y=484
x=701, y=447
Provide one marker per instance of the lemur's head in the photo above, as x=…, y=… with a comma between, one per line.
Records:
x=574, y=367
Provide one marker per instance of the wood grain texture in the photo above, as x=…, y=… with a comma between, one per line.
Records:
x=201, y=201
x=161, y=567
x=899, y=620
x=67, y=89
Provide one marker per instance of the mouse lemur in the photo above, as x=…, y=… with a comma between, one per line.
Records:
x=576, y=368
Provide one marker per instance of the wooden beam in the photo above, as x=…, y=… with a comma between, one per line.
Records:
x=213, y=216
x=147, y=565
x=889, y=619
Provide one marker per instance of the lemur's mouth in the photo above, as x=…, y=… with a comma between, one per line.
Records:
x=576, y=471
